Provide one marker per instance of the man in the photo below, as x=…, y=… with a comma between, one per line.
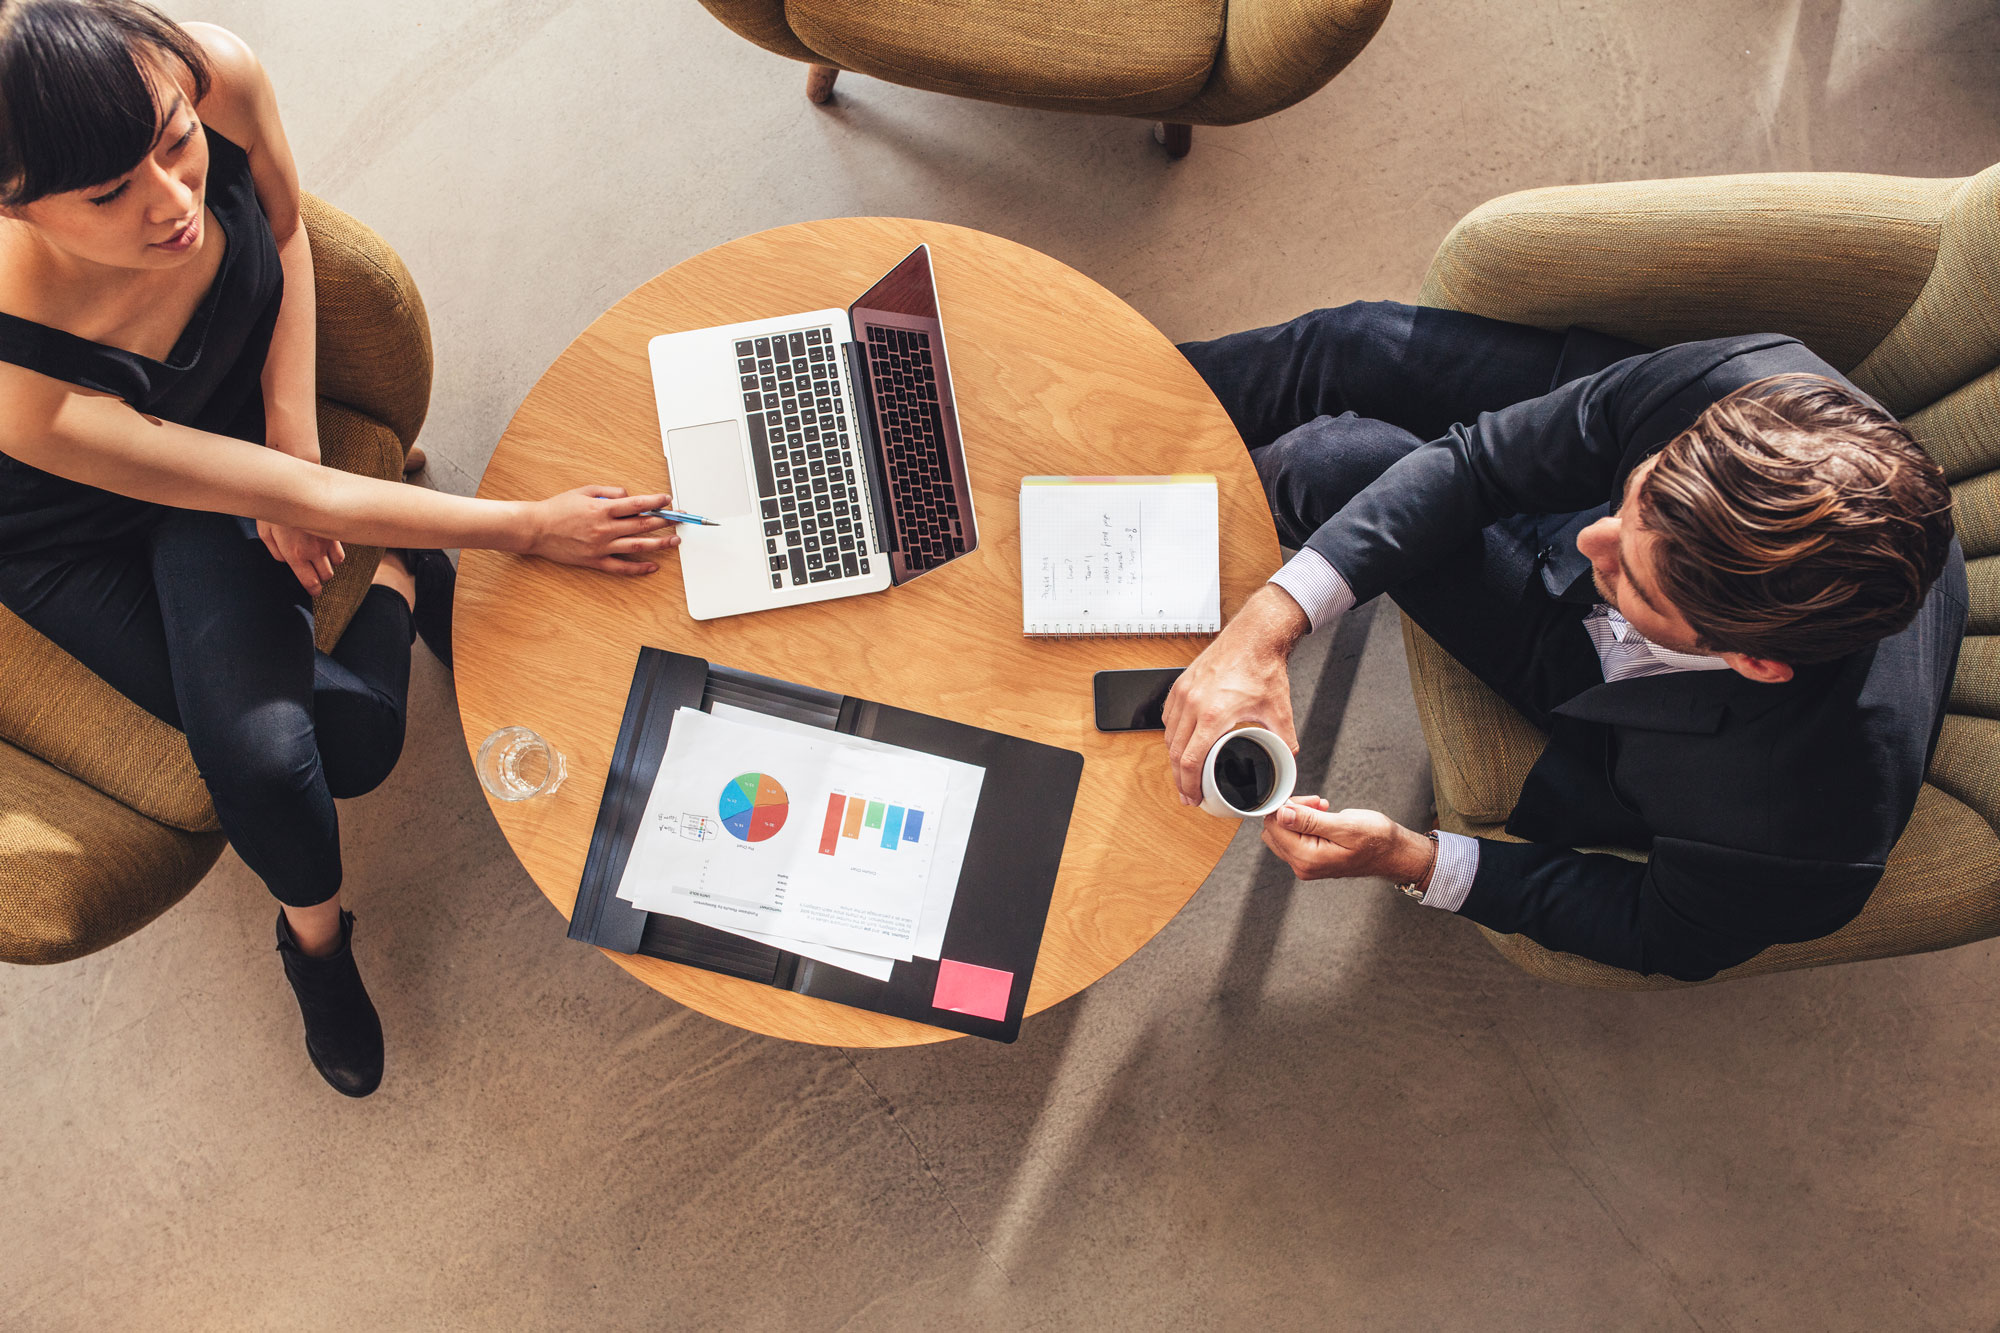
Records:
x=1721, y=578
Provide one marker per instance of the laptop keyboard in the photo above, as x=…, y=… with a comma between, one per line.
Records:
x=814, y=531
x=928, y=528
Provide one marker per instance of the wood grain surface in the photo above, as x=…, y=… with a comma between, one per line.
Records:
x=1054, y=374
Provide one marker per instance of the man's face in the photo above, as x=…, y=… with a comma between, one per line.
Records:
x=1622, y=562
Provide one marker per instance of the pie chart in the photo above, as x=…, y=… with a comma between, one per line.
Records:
x=753, y=807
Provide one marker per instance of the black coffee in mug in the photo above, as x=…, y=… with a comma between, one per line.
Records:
x=1245, y=773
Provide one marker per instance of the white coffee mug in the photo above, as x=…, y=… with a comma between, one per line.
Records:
x=1287, y=776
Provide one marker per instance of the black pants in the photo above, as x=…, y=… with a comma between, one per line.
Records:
x=1329, y=401
x=198, y=625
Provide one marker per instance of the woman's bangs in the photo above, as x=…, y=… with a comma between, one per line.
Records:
x=79, y=109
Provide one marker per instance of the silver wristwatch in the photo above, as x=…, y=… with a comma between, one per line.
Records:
x=1416, y=887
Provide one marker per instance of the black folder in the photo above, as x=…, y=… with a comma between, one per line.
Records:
x=1003, y=891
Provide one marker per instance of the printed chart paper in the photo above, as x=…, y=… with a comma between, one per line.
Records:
x=960, y=805
x=734, y=836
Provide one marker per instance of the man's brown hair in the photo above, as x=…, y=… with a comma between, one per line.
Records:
x=1796, y=521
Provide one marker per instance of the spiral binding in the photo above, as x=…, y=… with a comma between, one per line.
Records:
x=1079, y=630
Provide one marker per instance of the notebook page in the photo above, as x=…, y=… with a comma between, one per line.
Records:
x=1120, y=555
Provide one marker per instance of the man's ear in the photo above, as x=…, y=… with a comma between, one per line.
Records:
x=1763, y=670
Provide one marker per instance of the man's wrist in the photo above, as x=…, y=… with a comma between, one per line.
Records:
x=1273, y=620
x=1414, y=859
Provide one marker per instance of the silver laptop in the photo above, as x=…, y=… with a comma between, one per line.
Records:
x=825, y=446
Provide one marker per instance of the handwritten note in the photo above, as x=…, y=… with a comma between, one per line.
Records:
x=1119, y=555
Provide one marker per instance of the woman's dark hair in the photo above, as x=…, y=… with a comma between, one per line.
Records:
x=75, y=107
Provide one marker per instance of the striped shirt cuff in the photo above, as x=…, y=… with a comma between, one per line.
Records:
x=1316, y=586
x=1451, y=878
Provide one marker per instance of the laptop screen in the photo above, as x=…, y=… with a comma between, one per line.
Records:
x=917, y=470
x=905, y=290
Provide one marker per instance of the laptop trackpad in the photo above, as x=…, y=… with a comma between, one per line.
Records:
x=707, y=463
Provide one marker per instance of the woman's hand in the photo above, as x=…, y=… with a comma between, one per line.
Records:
x=602, y=528
x=312, y=558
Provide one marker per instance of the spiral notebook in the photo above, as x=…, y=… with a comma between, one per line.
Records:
x=1120, y=555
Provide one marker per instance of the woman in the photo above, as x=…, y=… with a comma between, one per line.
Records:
x=156, y=378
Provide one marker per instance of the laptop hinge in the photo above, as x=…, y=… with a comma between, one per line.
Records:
x=851, y=355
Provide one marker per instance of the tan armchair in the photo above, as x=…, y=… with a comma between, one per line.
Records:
x=1892, y=281
x=1178, y=62
x=104, y=823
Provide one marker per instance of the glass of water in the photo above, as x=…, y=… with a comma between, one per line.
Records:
x=515, y=764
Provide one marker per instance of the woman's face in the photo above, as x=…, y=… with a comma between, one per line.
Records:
x=150, y=217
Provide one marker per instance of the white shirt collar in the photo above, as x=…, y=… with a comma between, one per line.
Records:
x=1628, y=637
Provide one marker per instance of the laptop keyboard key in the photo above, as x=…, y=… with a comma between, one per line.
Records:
x=799, y=443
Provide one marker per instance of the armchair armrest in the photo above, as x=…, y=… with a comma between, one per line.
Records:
x=763, y=22
x=1833, y=259
x=374, y=371
x=1275, y=53
x=374, y=337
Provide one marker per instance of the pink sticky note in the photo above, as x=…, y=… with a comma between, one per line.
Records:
x=965, y=988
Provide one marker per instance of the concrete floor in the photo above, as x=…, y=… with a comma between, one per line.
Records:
x=1300, y=1106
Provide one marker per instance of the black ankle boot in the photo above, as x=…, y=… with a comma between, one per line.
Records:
x=437, y=580
x=343, y=1035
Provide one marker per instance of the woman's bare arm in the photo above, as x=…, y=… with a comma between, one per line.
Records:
x=103, y=442
x=242, y=105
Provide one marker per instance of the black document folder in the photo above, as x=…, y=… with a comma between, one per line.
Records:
x=1003, y=891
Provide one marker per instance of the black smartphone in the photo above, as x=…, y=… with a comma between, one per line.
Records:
x=1133, y=700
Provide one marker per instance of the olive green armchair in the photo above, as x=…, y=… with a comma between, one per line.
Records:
x=1893, y=282
x=104, y=823
x=1177, y=62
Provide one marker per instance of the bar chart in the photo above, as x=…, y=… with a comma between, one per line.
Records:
x=876, y=823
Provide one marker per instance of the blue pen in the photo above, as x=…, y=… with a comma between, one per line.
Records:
x=678, y=517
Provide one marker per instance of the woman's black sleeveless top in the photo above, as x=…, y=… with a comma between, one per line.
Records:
x=210, y=381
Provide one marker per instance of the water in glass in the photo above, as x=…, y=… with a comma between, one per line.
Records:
x=515, y=764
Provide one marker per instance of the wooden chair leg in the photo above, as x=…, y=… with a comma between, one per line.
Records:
x=1177, y=139
x=819, y=83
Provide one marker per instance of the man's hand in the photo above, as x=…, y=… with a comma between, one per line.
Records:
x=312, y=558
x=1318, y=843
x=1239, y=680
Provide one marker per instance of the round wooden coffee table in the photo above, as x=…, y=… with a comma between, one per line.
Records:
x=1053, y=374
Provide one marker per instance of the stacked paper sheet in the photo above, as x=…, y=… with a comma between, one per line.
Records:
x=837, y=848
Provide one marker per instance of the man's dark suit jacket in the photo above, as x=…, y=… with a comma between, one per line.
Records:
x=1769, y=810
